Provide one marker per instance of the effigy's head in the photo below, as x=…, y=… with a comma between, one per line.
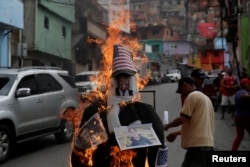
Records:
x=123, y=79
x=122, y=61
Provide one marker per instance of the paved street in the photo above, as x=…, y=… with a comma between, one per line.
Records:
x=46, y=152
x=225, y=133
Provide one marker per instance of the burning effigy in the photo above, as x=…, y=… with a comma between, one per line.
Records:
x=95, y=143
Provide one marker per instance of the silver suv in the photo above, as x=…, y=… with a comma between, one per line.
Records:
x=32, y=101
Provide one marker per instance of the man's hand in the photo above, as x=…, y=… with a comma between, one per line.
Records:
x=166, y=127
x=171, y=137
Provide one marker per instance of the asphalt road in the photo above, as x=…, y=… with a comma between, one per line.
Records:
x=45, y=152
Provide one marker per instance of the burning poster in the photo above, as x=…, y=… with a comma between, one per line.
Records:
x=91, y=134
x=136, y=136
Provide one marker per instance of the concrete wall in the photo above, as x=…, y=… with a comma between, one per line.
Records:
x=49, y=40
x=62, y=8
x=11, y=18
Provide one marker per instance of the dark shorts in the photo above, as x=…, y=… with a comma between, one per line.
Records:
x=197, y=157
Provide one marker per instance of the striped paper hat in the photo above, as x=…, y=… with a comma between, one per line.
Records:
x=122, y=61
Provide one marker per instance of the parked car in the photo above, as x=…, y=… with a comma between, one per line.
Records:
x=85, y=81
x=32, y=101
x=165, y=78
x=174, y=75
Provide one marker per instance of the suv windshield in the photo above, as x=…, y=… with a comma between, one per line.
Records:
x=6, y=82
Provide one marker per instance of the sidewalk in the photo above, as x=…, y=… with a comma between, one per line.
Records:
x=225, y=133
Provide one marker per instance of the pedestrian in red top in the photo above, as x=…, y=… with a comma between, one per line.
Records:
x=229, y=86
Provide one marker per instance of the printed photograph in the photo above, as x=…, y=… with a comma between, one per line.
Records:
x=92, y=133
x=136, y=136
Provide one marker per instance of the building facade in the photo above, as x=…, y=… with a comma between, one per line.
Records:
x=11, y=22
x=47, y=33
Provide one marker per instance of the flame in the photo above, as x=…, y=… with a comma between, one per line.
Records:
x=122, y=158
x=115, y=36
x=86, y=156
x=96, y=41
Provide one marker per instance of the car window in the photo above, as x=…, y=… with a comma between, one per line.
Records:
x=6, y=83
x=69, y=80
x=84, y=78
x=47, y=83
x=29, y=82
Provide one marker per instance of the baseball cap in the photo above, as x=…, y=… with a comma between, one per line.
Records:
x=198, y=73
x=184, y=80
x=244, y=82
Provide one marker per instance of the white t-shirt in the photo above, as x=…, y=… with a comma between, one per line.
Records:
x=198, y=130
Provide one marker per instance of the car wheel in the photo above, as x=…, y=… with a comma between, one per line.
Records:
x=6, y=143
x=66, y=132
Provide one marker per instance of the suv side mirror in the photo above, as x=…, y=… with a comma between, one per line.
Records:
x=22, y=92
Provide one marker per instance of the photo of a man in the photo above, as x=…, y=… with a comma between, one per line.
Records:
x=136, y=136
x=137, y=139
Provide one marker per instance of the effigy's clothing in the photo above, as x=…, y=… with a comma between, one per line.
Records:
x=128, y=114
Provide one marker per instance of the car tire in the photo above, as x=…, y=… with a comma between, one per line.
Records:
x=6, y=143
x=66, y=132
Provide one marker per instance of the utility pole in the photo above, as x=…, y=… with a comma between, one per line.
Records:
x=232, y=12
x=235, y=12
x=189, y=36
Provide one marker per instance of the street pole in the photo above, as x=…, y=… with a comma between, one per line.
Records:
x=232, y=36
x=189, y=36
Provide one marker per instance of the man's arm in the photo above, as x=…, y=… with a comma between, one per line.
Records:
x=176, y=122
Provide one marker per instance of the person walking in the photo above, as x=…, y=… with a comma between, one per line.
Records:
x=242, y=113
x=229, y=86
x=217, y=87
x=197, y=122
x=198, y=75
